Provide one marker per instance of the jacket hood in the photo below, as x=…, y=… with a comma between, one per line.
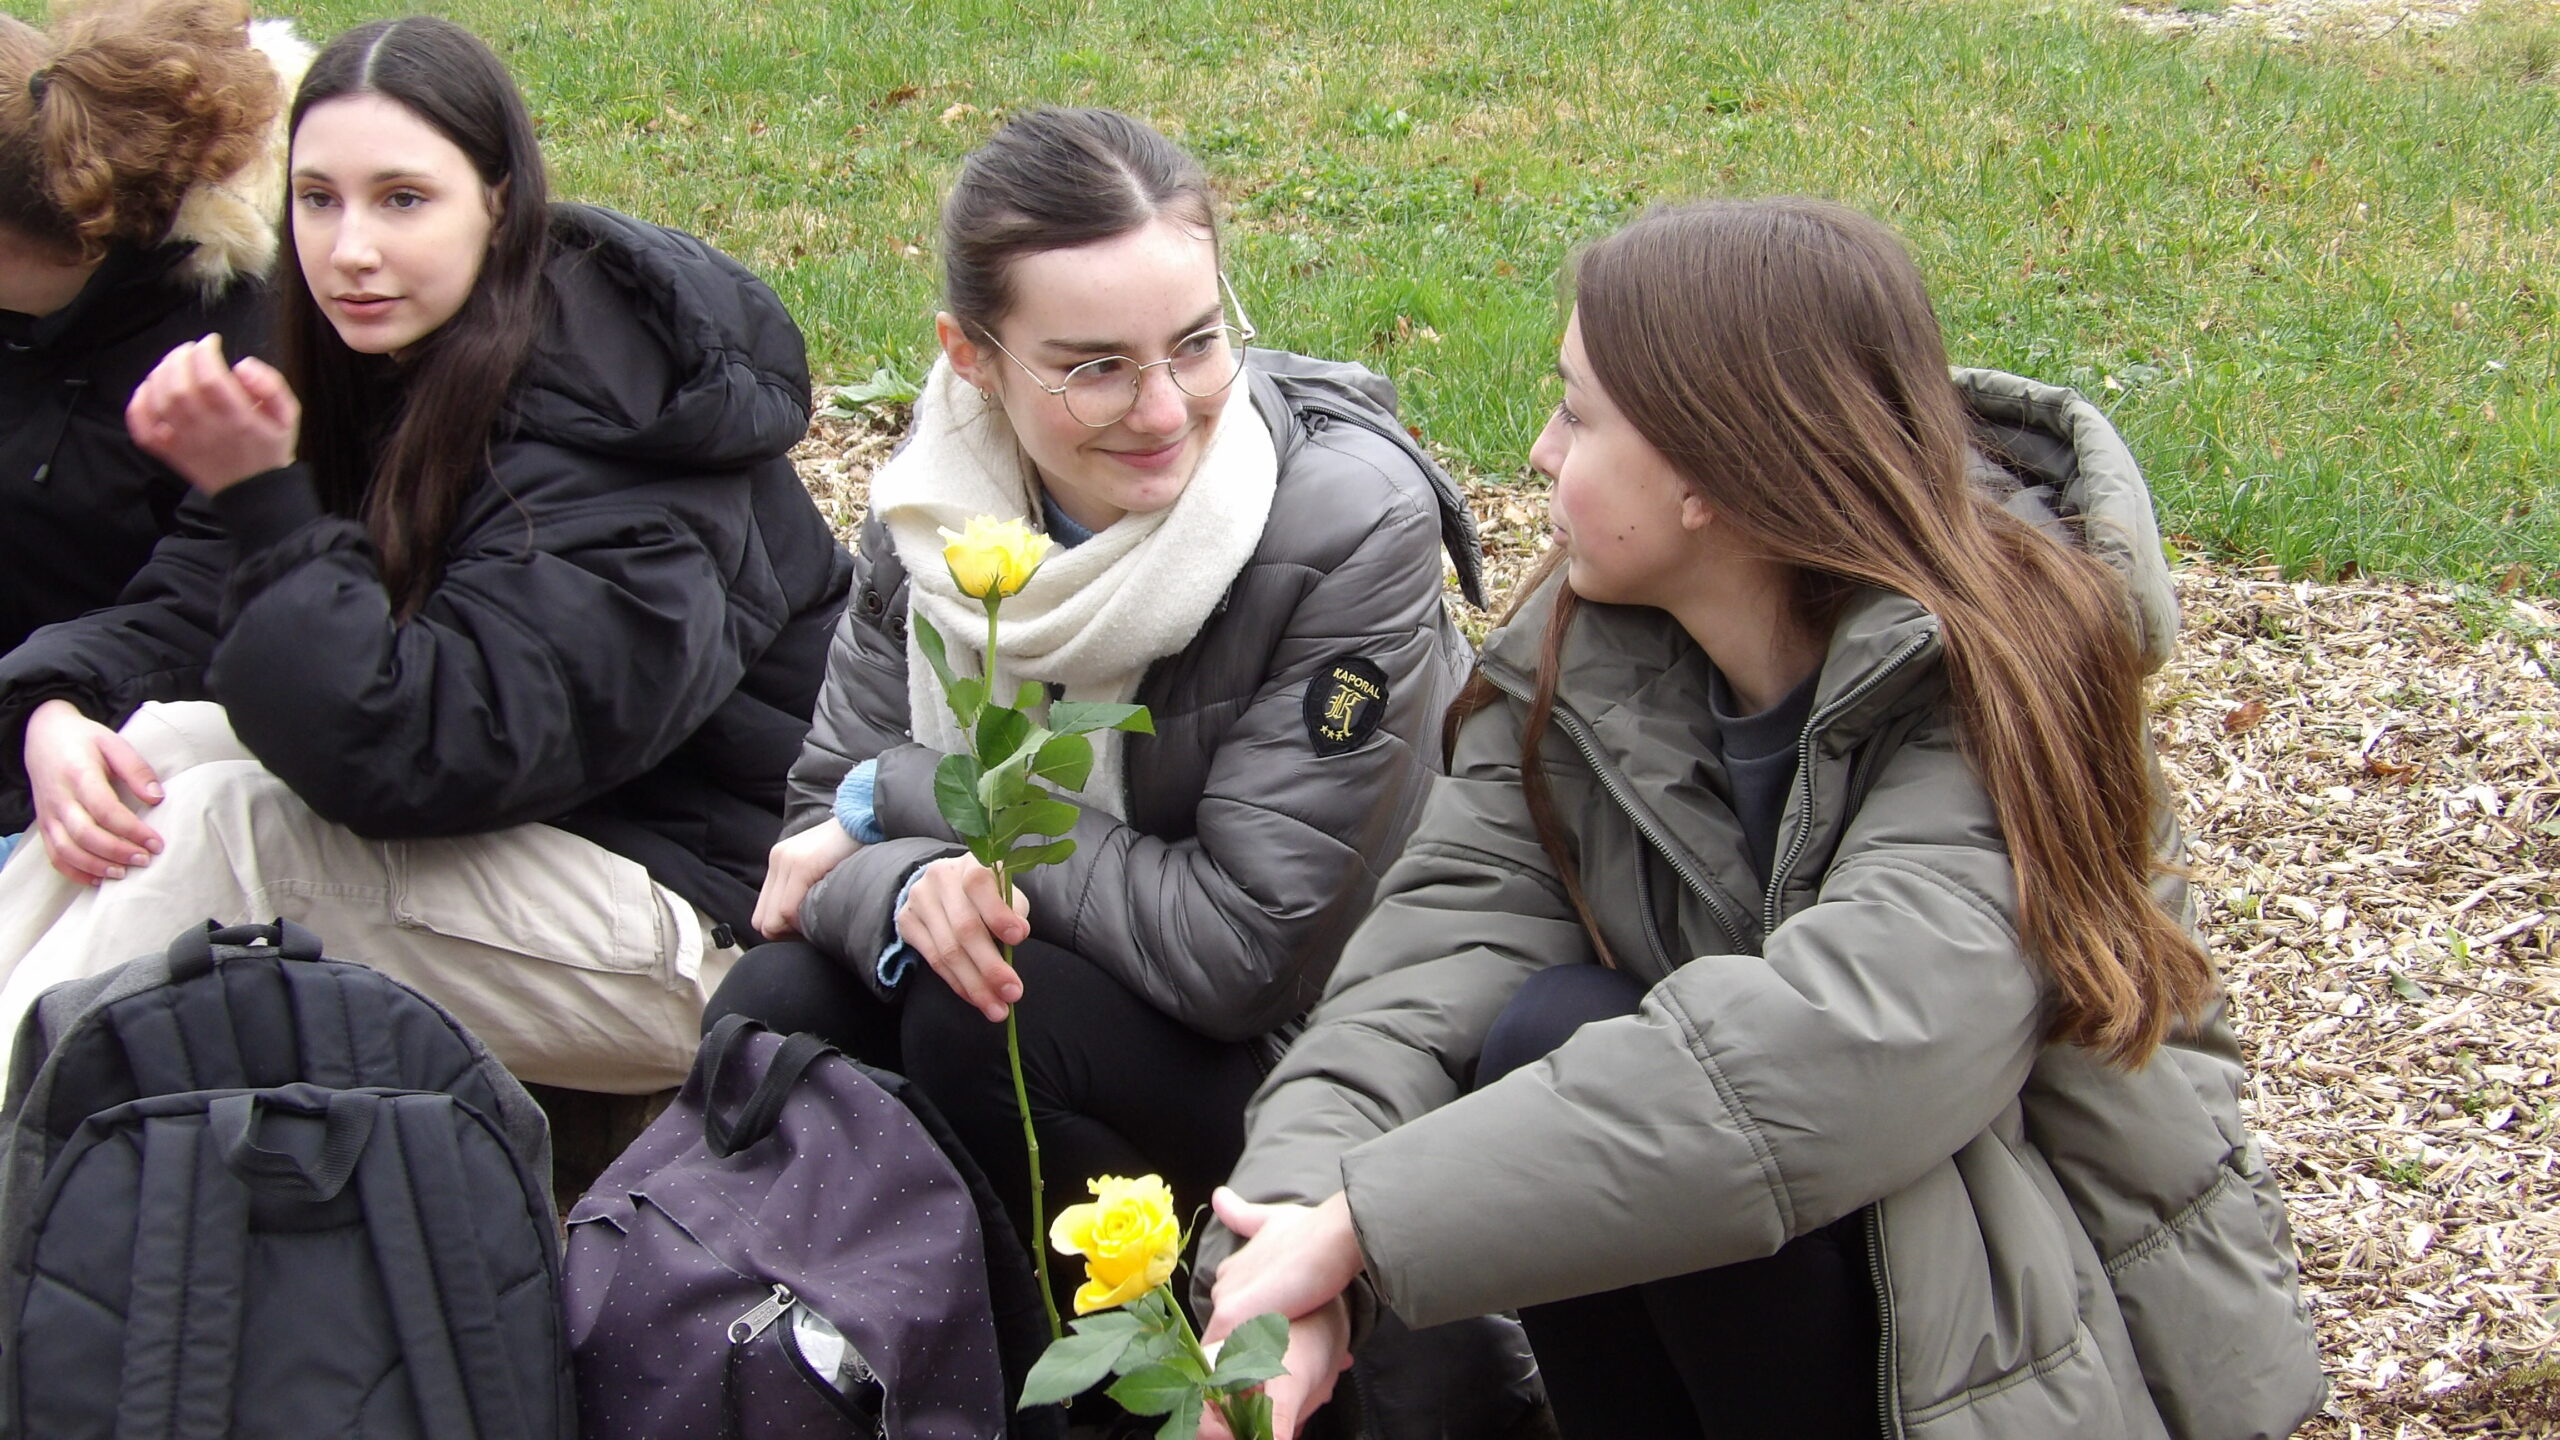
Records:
x=664, y=350
x=2051, y=439
x=231, y=221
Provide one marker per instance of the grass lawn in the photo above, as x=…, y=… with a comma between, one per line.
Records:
x=2318, y=287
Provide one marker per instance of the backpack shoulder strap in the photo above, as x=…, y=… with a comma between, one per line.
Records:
x=190, y=1268
x=411, y=1180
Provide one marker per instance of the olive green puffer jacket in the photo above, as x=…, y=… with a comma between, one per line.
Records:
x=2059, y=1248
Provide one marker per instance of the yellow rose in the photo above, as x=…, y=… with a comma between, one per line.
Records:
x=1127, y=1236
x=993, y=559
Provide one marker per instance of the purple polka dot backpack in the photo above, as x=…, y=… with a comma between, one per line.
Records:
x=789, y=1251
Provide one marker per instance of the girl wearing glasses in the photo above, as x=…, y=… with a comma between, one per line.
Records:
x=1789, y=1002
x=1251, y=547
x=492, y=629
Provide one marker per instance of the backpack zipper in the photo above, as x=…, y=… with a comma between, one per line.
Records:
x=747, y=1327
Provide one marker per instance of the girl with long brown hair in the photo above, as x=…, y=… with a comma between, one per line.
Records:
x=489, y=642
x=1789, y=1002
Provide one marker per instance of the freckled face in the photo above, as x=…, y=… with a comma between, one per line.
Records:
x=1624, y=516
x=390, y=221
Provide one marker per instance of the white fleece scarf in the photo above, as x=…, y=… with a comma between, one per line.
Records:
x=1094, y=616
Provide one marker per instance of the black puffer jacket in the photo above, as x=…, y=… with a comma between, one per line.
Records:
x=631, y=624
x=80, y=506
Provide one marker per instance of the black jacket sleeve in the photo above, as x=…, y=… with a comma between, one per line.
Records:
x=573, y=639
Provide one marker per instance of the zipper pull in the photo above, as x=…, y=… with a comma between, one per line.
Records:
x=755, y=1322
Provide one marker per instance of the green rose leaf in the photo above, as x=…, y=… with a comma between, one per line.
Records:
x=1248, y=1414
x=1028, y=698
x=1042, y=816
x=1071, y=1366
x=967, y=696
x=1000, y=732
x=1066, y=761
x=1078, y=717
x=1252, y=1353
x=955, y=794
x=1155, y=1390
x=1109, y=1322
x=1024, y=857
x=1183, y=1423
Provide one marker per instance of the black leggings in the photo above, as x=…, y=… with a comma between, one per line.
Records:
x=1786, y=1346
x=1116, y=1086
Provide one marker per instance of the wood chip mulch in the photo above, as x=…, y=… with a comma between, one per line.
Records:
x=2367, y=775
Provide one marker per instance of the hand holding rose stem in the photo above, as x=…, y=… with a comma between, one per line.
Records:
x=991, y=793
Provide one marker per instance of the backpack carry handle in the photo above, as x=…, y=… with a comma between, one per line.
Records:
x=755, y=1120
x=233, y=1120
x=199, y=947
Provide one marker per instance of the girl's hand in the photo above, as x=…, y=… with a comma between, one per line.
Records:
x=795, y=864
x=1296, y=1258
x=73, y=767
x=957, y=920
x=213, y=423
x=1319, y=1351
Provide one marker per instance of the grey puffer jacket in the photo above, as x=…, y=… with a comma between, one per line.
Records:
x=1249, y=850
x=2059, y=1248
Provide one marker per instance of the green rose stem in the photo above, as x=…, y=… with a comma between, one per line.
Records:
x=1013, y=1054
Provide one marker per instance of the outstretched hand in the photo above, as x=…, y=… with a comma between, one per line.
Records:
x=214, y=423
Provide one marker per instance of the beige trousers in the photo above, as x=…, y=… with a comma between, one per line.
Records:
x=567, y=960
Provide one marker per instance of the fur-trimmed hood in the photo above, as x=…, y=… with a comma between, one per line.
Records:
x=232, y=221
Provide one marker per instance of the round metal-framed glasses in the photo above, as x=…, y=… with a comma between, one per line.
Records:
x=1202, y=364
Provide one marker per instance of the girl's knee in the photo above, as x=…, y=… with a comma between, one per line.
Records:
x=174, y=736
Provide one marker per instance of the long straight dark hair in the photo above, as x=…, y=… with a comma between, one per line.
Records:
x=402, y=442
x=1782, y=355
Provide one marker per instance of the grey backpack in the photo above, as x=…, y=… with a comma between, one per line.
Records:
x=251, y=1191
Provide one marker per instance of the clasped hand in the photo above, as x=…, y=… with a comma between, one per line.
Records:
x=216, y=424
x=1296, y=1261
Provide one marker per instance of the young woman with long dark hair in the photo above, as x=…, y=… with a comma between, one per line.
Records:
x=508, y=599
x=1789, y=1002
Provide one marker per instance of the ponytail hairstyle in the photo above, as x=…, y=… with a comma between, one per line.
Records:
x=105, y=124
x=403, y=441
x=1052, y=180
x=1782, y=355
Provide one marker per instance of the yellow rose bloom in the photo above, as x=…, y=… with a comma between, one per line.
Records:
x=993, y=559
x=1127, y=1236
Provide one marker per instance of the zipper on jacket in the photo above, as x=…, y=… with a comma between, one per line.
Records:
x=61, y=430
x=747, y=1327
x=1886, y=1410
x=1804, y=772
x=1675, y=855
x=1652, y=927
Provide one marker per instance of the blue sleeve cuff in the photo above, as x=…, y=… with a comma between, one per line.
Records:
x=855, y=810
x=897, y=957
x=9, y=843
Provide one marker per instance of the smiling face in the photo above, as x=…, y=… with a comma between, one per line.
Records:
x=390, y=221
x=1139, y=295
x=1628, y=521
